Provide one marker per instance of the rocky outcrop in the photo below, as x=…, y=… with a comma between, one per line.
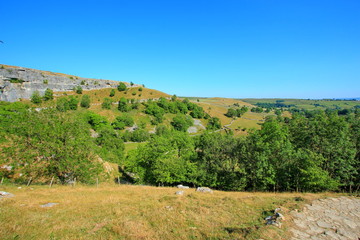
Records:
x=20, y=83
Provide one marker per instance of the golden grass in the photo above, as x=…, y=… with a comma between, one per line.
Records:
x=141, y=212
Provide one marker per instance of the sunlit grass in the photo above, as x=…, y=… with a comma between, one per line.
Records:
x=140, y=212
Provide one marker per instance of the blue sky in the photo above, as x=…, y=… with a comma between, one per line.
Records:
x=204, y=48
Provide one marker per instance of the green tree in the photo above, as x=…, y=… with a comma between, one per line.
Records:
x=112, y=92
x=121, y=87
x=85, y=101
x=214, y=123
x=182, y=122
x=123, y=105
x=36, y=98
x=78, y=90
x=49, y=95
x=73, y=103
x=106, y=104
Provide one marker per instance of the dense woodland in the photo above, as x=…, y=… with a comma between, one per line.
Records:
x=311, y=151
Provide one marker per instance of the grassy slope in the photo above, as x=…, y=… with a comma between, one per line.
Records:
x=141, y=212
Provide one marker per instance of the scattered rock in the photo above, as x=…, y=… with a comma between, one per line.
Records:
x=169, y=208
x=48, y=205
x=6, y=194
x=275, y=219
x=204, y=189
x=331, y=218
x=179, y=193
x=181, y=186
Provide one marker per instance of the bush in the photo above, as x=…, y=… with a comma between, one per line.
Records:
x=214, y=123
x=123, y=105
x=36, y=98
x=121, y=87
x=112, y=92
x=182, y=122
x=78, y=90
x=85, y=101
x=106, y=104
x=49, y=95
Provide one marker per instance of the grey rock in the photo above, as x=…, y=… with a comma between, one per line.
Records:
x=183, y=187
x=179, y=193
x=31, y=80
x=48, y=205
x=204, y=190
x=4, y=194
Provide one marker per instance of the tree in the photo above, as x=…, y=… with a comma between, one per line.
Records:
x=182, y=122
x=78, y=90
x=214, y=123
x=36, y=98
x=85, y=101
x=73, y=103
x=112, y=92
x=62, y=105
x=51, y=144
x=121, y=87
x=123, y=105
x=49, y=95
x=106, y=104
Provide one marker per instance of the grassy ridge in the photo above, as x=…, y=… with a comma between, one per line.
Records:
x=142, y=212
x=306, y=104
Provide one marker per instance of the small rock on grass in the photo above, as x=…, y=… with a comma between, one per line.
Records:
x=48, y=205
x=204, y=189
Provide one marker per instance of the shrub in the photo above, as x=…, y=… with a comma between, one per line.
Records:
x=121, y=87
x=83, y=82
x=85, y=101
x=36, y=98
x=78, y=89
x=45, y=81
x=106, y=104
x=49, y=95
x=112, y=92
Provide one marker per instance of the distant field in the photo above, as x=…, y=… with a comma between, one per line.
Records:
x=307, y=104
x=142, y=212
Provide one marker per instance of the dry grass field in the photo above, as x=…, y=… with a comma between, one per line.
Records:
x=142, y=212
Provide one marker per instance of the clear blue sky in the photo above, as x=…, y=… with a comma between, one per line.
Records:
x=205, y=48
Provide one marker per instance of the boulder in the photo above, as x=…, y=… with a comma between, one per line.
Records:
x=204, y=190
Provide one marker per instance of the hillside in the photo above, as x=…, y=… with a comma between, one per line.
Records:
x=20, y=83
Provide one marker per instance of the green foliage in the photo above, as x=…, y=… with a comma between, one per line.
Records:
x=16, y=80
x=36, y=98
x=214, y=123
x=182, y=122
x=122, y=121
x=46, y=81
x=73, y=103
x=97, y=121
x=85, y=101
x=106, y=104
x=123, y=105
x=83, y=82
x=140, y=89
x=78, y=89
x=51, y=143
x=121, y=87
x=112, y=92
x=236, y=112
x=112, y=146
x=49, y=95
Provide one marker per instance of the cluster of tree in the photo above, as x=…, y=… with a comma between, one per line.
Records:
x=238, y=112
x=162, y=106
x=316, y=153
x=257, y=109
x=46, y=144
x=36, y=97
x=274, y=105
